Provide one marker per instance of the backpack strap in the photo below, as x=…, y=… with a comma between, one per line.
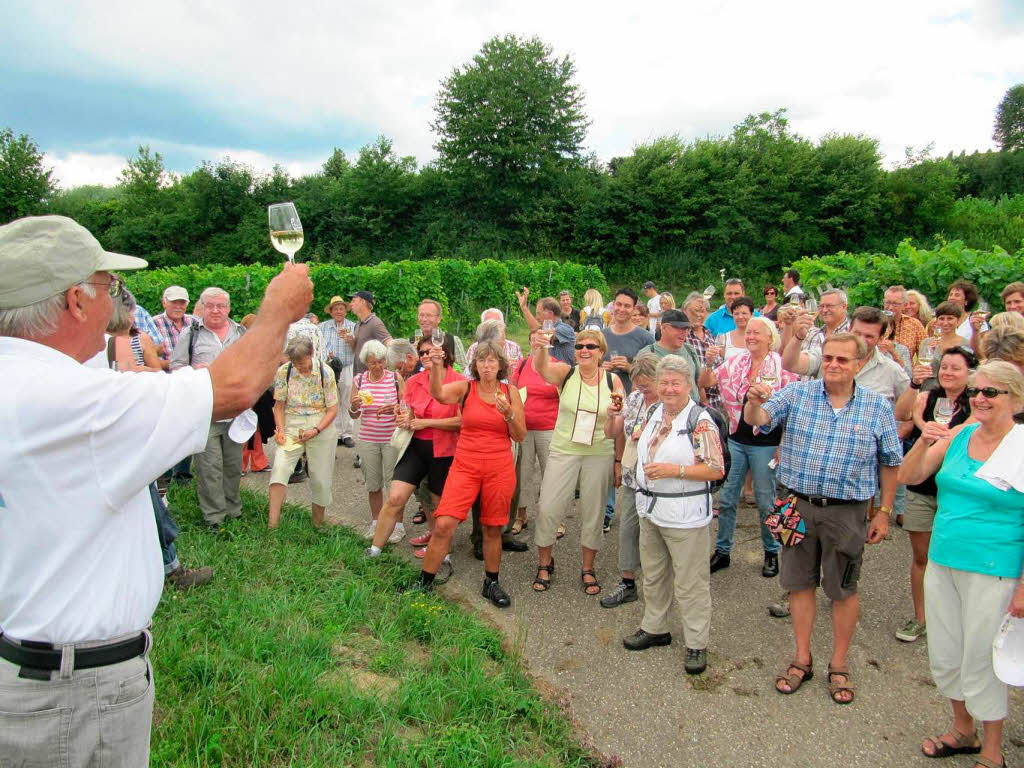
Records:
x=193, y=330
x=519, y=370
x=572, y=370
x=111, y=354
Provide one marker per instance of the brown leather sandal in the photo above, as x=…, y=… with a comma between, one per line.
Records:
x=984, y=761
x=794, y=681
x=834, y=688
x=961, y=745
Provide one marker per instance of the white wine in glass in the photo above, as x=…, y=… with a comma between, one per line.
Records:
x=437, y=338
x=548, y=327
x=768, y=373
x=709, y=292
x=944, y=410
x=285, y=229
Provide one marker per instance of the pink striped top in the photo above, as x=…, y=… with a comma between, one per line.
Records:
x=375, y=427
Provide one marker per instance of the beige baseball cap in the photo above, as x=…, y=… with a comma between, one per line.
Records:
x=175, y=293
x=42, y=256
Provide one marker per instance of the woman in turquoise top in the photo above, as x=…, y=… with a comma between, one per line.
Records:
x=975, y=560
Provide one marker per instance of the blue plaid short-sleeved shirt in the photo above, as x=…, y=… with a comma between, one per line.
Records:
x=824, y=453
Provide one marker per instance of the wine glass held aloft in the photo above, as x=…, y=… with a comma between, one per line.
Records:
x=437, y=338
x=285, y=229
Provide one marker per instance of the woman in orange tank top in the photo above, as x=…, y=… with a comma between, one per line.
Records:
x=492, y=416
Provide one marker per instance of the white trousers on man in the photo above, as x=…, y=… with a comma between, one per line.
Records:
x=343, y=422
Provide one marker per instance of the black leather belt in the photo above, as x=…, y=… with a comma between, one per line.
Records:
x=825, y=501
x=45, y=657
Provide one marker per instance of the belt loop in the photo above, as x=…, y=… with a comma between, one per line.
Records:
x=67, y=661
x=149, y=641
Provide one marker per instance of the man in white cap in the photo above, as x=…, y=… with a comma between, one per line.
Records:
x=172, y=321
x=80, y=565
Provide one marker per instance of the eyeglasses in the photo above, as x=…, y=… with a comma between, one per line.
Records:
x=424, y=352
x=588, y=346
x=770, y=293
x=989, y=392
x=835, y=359
x=114, y=288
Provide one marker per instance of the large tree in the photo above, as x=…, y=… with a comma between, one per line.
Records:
x=1009, y=130
x=509, y=123
x=25, y=183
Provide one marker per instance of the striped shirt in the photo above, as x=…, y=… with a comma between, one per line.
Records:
x=375, y=427
x=169, y=333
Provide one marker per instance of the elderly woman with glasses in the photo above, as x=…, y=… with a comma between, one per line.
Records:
x=305, y=405
x=976, y=556
x=679, y=455
x=583, y=451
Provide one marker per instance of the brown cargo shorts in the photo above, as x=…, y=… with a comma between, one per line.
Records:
x=831, y=551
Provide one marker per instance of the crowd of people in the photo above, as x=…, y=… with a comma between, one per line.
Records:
x=658, y=415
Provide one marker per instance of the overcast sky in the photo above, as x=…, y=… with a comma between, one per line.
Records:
x=286, y=82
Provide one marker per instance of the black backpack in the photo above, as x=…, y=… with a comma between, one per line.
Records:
x=723, y=435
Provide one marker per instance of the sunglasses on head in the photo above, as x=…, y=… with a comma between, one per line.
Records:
x=588, y=346
x=988, y=392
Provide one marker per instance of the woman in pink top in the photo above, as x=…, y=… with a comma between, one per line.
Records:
x=541, y=409
x=435, y=431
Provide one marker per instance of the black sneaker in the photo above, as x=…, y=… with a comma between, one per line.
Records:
x=641, y=641
x=357, y=462
x=492, y=591
x=696, y=661
x=771, y=565
x=719, y=560
x=623, y=593
x=512, y=545
x=348, y=442
x=478, y=550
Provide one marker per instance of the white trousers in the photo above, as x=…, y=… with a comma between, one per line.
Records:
x=343, y=422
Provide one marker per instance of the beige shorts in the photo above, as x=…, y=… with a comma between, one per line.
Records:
x=920, y=512
x=378, y=464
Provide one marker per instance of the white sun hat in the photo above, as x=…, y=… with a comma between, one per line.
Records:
x=243, y=426
x=1008, y=651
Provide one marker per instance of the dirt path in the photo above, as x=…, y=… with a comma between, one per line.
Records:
x=643, y=708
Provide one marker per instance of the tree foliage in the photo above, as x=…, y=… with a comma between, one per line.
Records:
x=25, y=184
x=1009, y=128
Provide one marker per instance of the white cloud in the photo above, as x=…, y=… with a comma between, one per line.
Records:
x=75, y=169
x=907, y=73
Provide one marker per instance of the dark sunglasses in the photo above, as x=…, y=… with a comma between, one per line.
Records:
x=588, y=346
x=989, y=392
x=770, y=293
x=424, y=352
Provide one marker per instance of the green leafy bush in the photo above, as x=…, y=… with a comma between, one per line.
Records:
x=464, y=288
x=865, y=276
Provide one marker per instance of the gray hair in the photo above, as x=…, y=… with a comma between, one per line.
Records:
x=734, y=281
x=374, y=349
x=486, y=312
x=209, y=293
x=298, y=348
x=398, y=351
x=645, y=364
x=695, y=295
x=900, y=288
x=489, y=330
x=674, y=364
x=774, y=340
x=40, y=319
x=123, y=316
x=839, y=294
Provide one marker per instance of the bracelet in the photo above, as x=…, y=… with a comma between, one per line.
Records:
x=618, y=461
x=317, y=430
x=913, y=385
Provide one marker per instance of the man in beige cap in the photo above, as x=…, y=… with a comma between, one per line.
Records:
x=80, y=565
x=338, y=338
x=172, y=321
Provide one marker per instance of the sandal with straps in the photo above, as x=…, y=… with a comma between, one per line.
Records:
x=794, y=681
x=961, y=745
x=544, y=584
x=519, y=526
x=589, y=585
x=986, y=763
x=834, y=688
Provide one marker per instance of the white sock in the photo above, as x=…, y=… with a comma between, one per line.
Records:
x=399, y=526
x=373, y=551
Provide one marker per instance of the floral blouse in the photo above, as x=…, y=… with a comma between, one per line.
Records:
x=734, y=381
x=305, y=395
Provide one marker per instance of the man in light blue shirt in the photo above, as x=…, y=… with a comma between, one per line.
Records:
x=337, y=335
x=720, y=321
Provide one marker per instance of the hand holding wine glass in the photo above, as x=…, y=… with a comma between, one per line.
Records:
x=285, y=229
x=549, y=329
x=944, y=410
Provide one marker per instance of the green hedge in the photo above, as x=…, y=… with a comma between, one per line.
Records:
x=865, y=276
x=464, y=288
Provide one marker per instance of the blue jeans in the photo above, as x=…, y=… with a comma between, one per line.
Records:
x=756, y=458
x=609, y=503
x=167, y=531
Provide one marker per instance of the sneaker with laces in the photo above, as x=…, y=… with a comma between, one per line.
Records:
x=420, y=553
x=780, y=608
x=397, y=535
x=911, y=631
x=623, y=593
x=420, y=541
x=696, y=660
x=186, y=578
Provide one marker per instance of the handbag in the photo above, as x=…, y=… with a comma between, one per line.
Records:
x=785, y=523
x=400, y=440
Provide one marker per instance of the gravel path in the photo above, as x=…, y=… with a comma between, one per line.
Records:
x=643, y=708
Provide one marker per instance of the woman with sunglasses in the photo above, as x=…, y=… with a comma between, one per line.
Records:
x=435, y=431
x=583, y=451
x=976, y=556
x=771, y=306
x=918, y=406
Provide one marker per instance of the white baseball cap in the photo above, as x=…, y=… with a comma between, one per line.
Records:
x=175, y=293
x=43, y=256
x=243, y=426
x=1008, y=651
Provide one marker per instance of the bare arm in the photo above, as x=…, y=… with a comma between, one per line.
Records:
x=517, y=424
x=449, y=394
x=524, y=307
x=904, y=408
x=244, y=370
x=925, y=458
x=552, y=371
x=279, y=420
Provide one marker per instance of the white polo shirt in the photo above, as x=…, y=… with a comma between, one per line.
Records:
x=79, y=554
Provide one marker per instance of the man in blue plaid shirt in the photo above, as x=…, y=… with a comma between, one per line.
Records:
x=338, y=335
x=838, y=436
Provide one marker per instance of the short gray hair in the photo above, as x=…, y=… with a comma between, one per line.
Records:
x=695, y=295
x=674, y=364
x=774, y=340
x=645, y=364
x=486, y=312
x=900, y=288
x=398, y=351
x=38, y=320
x=298, y=348
x=213, y=290
x=839, y=294
x=374, y=349
x=489, y=330
x=123, y=316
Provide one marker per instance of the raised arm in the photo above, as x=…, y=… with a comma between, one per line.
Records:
x=449, y=394
x=552, y=371
x=523, y=298
x=925, y=458
x=753, y=412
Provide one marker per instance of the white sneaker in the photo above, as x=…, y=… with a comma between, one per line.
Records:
x=397, y=535
x=371, y=530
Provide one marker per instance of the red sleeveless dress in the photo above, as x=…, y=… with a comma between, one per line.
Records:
x=483, y=464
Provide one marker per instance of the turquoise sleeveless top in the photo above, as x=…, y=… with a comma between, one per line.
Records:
x=978, y=527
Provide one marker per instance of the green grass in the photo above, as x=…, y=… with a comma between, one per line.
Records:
x=303, y=653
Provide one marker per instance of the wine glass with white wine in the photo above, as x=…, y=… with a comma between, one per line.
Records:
x=769, y=374
x=944, y=410
x=285, y=229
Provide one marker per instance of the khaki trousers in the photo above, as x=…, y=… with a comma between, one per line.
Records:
x=77, y=718
x=533, y=451
x=320, y=452
x=675, y=562
x=218, y=471
x=558, y=490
